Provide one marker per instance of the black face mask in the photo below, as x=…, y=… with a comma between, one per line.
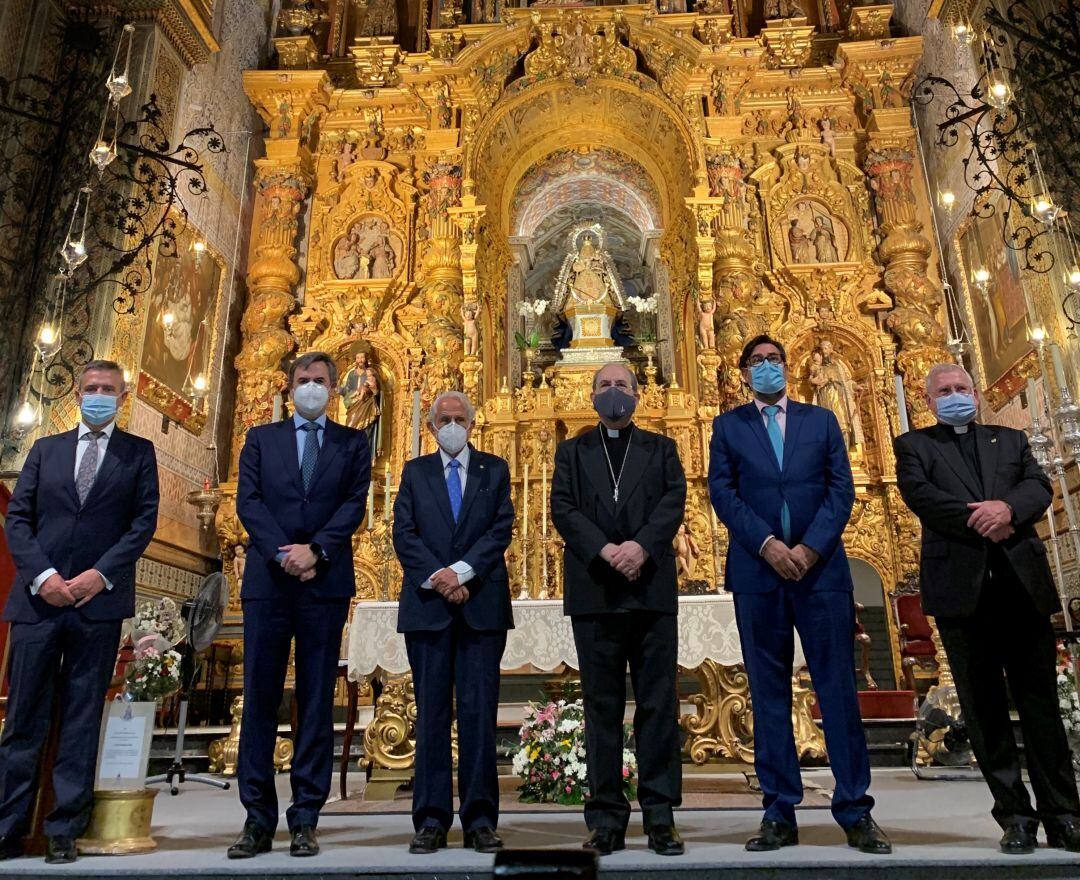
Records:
x=613, y=405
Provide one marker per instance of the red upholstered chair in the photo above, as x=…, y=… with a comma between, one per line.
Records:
x=916, y=646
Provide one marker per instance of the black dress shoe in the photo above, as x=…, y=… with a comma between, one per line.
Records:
x=867, y=837
x=605, y=841
x=427, y=840
x=483, y=840
x=773, y=835
x=664, y=840
x=10, y=848
x=1063, y=833
x=253, y=840
x=305, y=841
x=60, y=850
x=1019, y=840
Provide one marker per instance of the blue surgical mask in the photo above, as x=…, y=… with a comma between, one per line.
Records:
x=97, y=409
x=767, y=378
x=956, y=409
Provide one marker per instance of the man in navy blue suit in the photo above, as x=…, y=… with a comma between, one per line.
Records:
x=300, y=495
x=780, y=480
x=84, y=510
x=452, y=524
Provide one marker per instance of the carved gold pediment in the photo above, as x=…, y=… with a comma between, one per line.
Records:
x=578, y=47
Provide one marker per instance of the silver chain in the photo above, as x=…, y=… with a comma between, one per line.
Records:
x=611, y=470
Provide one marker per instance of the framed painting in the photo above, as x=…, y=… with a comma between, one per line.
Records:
x=178, y=336
x=997, y=309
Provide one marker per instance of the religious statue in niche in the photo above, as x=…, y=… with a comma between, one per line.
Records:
x=368, y=251
x=587, y=281
x=706, y=309
x=345, y=157
x=687, y=552
x=783, y=9
x=470, y=329
x=813, y=235
x=362, y=398
x=834, y=389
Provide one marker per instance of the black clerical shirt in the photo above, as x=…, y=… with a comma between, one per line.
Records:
x=616, y=441
x=970, y=452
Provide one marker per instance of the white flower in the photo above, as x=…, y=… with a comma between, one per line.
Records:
x=540, y=306
x=567, y=725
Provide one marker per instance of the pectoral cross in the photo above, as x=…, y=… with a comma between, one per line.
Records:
x=615, y=494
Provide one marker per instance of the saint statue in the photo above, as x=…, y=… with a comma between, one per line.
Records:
x=799, y=242
x=686, y=552
x=361, y=394
x=587, y=279
x=834, y=389
x=823, y=237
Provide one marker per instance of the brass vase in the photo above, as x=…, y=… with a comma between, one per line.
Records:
x=120, y=823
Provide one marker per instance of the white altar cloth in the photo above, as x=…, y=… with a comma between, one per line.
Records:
x=542, y=637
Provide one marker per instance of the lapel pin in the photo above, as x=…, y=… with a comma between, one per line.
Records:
x=993, y=439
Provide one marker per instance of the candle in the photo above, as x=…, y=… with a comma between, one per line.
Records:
x=415, y=423
x=386, y=495
x=525, y=506
x=543, y=502
x=370, y=508
x=277, y=408
x=901, y=404
x=1059, y=368
x=1033, y=400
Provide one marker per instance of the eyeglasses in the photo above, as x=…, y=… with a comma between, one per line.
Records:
x=756, y=360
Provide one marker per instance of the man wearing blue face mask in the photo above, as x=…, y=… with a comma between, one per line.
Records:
x=618, y=496
x=83, y=512
x=979, y=493
x=453, y=520
x=780, y=480
x=300, y=495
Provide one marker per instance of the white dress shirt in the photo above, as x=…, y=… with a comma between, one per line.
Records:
x=80, y=450
x=463, y=570
x=298, y=422
x=781, y=420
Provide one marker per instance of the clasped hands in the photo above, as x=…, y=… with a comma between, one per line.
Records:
x=299, y=561
x=991, y=519
x=626, y=558
x=791, y=563
x=445, y=583
x=76, y=591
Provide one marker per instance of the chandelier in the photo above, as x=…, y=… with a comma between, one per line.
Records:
x=1017, y=128
x=93, y=198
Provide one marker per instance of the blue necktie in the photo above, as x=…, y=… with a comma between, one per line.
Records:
x=453, y=486
x=311, y=453
x=776, y=437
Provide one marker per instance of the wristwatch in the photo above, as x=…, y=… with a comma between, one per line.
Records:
x=318, y=551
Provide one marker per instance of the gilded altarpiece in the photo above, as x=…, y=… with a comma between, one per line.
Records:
x=783, y=192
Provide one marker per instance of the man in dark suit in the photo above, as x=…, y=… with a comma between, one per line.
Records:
x=617, y=498
x=452, y=524
x=84, y=510
x=300, y=495
x=979, y=492
x=780, y=481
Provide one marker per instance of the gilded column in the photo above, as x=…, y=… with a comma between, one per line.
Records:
x=903, y=253
x=467, y=219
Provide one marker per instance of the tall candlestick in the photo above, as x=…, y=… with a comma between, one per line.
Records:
x=277, y=408
x=901, y=404
x=1033, y=400
x=415, y=423
x=386, y=495
x=544, y=502
x=370, y=508
x=525, y=505
x=1059, y=368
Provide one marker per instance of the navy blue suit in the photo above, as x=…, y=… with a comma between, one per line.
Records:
x=455, y=648
x=68, y=653
x=748, y=489
x=276, y=510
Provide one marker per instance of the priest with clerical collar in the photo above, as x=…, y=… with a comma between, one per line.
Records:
x=617, y=498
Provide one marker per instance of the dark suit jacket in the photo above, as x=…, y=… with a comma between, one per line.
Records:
x=748, y=488
x=47, y=528
x=652, y=500
x=427, y=539
x=937, y=485
x=275, y=509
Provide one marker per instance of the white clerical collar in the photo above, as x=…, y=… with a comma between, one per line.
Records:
x=961, y=429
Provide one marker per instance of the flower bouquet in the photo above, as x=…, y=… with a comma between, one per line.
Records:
x=551, y=757
x=1069, y=703
x=154, y=671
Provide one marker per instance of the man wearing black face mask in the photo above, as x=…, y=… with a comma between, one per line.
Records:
x=617, y=498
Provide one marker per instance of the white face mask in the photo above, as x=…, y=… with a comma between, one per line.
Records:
x=452, y=438
x=310, y=399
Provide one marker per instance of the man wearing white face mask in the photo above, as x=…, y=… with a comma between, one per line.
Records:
x=300, y=495
x=979, y=492
x=452, y=524
x=83, y=512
